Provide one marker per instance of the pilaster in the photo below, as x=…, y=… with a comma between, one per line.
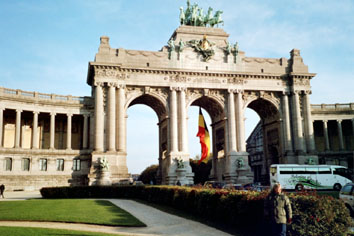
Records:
x=35, y=140
x=325, y=132
x=18, y=128
x=340, y=134
x=68, y=131
x=112, y=117
x=99, y=117
x=52, y=130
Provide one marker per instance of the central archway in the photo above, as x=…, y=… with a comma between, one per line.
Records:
x=215, y=109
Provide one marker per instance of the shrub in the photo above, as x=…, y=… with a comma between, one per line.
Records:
x=312, y=214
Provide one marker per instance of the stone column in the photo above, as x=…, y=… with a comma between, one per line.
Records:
x=231, y=122
x=121, y=116
x=183, y=120
x=112, y=117
x=35, y=143
x=340, y=135
x=68, y=131
x=18, y=128
x=85, y=132
x=1, y=126
x=310, y=139
x=52, y=130
x=325, y=134
x=353, y=127
x=173, y=120
x=99, y=117
x=241, y=144
x=286, y=122
x=299, y=138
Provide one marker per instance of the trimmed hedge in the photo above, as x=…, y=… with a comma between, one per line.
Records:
x=313, y=215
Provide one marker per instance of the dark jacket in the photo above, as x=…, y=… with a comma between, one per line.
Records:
x=277, y=208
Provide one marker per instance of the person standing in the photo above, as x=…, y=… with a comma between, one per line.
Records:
x=277, y=209
x=2, y=189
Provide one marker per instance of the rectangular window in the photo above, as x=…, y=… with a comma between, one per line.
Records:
x=299, y=170
x=43, y=164
x=311, y=170
x=324, y=170
x=8, y=164
x=25, y=164
x=76, y=164
x=286, y=170
x=60, y=164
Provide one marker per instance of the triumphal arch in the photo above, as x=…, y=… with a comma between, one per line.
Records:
x=199, y=66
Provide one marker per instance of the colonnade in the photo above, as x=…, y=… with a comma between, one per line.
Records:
x=35, y=138
x=301, y=127
x=339, y=131
x=116, y=118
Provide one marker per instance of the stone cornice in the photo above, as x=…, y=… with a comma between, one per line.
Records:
x=302, y=75
x=173, y=72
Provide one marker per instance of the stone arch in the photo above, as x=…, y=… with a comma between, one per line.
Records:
x=212, y=103
x=269, y=111
x=153, y=100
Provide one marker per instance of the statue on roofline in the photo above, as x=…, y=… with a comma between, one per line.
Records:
x=194, y=16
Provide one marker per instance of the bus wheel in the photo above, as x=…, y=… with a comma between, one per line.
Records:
x=299, y=187
x=337, y=187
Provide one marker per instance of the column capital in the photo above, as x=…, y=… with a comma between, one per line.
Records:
x=69, y=114
x=296, y=92
x=285, y=93
x=239, y=91
x=19, y=110
x=113, y=84
x=339, y=120
x=99, y=84
x=173, y=88
x=2, y=108
x=307, y=92
x=231, y=90
x=53, y=113
x=86, y=115
x=121, y=86
x=36, y=112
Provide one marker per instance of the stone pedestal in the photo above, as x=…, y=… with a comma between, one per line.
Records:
x=184, y=175
x=235, y=173
x=117, y=168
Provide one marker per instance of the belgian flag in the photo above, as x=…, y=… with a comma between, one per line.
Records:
x=204, y=137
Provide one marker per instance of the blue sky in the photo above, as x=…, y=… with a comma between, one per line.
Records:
x=46, y=46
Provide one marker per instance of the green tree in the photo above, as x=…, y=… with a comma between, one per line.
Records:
x=149, y=174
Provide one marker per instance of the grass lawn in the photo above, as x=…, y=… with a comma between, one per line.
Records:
x=29, y=231
x=99, y=212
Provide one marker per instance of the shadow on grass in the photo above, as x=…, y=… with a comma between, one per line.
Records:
x=122, y=215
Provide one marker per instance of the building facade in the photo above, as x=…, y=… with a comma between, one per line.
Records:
x=51, y=140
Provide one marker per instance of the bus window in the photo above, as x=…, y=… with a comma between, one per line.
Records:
x=342, y=172
x=311, y=170
x=324, y=170
x=286, y=170
x=299, y=171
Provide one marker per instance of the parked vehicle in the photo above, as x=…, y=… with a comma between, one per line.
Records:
x=233, y=186
x=214, y=184
x=347, y=195
x=299, y=177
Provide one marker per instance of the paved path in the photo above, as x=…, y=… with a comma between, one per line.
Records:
x=158, y=222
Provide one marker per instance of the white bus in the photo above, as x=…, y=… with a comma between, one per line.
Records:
x=299, y=177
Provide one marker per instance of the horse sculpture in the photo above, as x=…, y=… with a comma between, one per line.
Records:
x=208, y=17
x=182, y=16
x=217, y=19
